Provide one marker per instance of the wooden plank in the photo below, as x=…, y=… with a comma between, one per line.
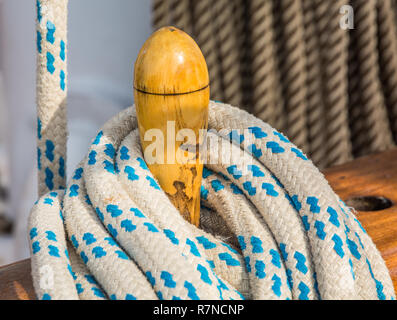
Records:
x=374, y=175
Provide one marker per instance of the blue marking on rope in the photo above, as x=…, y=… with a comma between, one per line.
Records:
x=39, y=158
x=74, y=190
x=313, y=202
x=153, y=183
x=84, y=257
x=256, y=171
x=333, y=216
x=124, y=153
x=127, y=225
x=121, y=255
x=256, y=245
x=204, y=274
x=359, y=240
x=274, y=147
x=142, y=164
x=98, y=138
x=62, y=53
x=46, y=296
x=290, y=280
x=229, y=260
x=300, y=262
x=48, y=201
x=98, y=292
x=253, y=150
x=150, y=277
x=207, y=244
x=50, y=63
x=79, y=288
x=92, y=157
x=33, y=233
x=260, y=269
x=338, y=245
x=249, y=188
x=294, y=201
x=48, y=178
x=35, y=247
x=49, y=152
x=137, y=213
x=176, y=298
x=299, y=153
x=283, y=251
x=99, y=214
x=160, y=295
x=236, y=189
x=131, y=175
x=73, y=274
x=277, y=181
x=74, y=241
x=304, y=289
x=114, y=210
x=51, y=236
x=90, y=279
x=39, y=16
x=247, y=264
x=109, y=150
x=320, y=229
x=62, y=77
x=112, y=230
x=109, y=166
x=211, y=264
x=236, y=137
x=168, y=281
x=353, y=249
x=89, y=238
x=53, y=194
x=61, y=170
x=206, y=172
x=53, y=251
x=237, y=174
x=38, y=41
x=130, y=297
x=111, y=241
x=203, y=193
x=276, y=287
x=98, y=252
x=229, y=247
x=257, y=132
x=78, y=174
x=151, y=227
x=171, y=235
x=50, y=32
x=379, y=285
x=269, y=189
x=281, y=136
x=351, y=269
x=191, y=291
x=306, y=223
x=217, y=185
x=276, y=260
x=193, y=248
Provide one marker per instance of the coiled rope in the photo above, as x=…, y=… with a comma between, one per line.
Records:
x=113, y=233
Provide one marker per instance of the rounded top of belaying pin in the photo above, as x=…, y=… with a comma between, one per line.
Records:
x=170, y=62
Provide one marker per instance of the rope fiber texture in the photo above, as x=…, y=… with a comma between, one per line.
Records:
x=272, y=229
x=288, y=62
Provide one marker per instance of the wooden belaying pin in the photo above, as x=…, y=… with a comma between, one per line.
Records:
x=171, y=91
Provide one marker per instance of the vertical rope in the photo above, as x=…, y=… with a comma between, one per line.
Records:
x=387, y=36
x=182, y=17
x=266, y=97
x=334, y=51
x=51, y=94
x=160, y=13
x=293, y=69
x=203, y=15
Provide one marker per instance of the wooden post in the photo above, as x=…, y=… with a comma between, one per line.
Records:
x=171, y=91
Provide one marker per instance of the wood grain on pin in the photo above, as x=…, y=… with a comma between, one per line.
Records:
x=171, y=91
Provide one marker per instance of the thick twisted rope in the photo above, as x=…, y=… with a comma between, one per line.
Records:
x=51, y=94
x=114, y=233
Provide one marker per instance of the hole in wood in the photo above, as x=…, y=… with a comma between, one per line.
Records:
x=369, y=203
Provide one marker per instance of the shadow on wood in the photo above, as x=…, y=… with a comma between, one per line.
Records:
x=368, y=183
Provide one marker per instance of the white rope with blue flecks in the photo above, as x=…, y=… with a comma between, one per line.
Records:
x=113, y=233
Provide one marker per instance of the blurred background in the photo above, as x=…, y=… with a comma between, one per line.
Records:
x=324, y=72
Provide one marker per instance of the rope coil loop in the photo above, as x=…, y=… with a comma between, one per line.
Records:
x=296, y=238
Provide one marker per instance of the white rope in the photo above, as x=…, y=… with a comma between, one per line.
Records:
x=297, y=239
x=113, y=233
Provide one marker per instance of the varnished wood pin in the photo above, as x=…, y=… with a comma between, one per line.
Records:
x=171, y=91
